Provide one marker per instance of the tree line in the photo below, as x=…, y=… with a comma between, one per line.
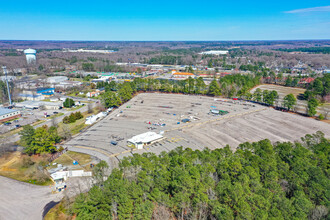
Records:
x=319, y=88
x=230, y=86
x=259, y=180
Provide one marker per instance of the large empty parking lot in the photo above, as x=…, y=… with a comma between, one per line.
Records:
x=148, y=111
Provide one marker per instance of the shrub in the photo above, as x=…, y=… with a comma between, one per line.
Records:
x=27, y=162
x=321, y=117
x=72, y=118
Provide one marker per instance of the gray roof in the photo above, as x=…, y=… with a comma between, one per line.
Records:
x=4, y=111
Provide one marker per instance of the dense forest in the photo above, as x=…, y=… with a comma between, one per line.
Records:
x=258, y=181
x=325, y=50
x=319, y=88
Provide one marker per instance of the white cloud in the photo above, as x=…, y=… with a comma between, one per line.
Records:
x=315, y=9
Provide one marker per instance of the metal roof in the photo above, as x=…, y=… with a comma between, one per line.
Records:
x=4, y=111
x=145, y=137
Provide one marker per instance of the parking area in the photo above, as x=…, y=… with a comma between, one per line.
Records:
x=30, y=116
x=163, y=113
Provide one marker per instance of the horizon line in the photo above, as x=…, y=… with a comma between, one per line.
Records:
x=313, y=39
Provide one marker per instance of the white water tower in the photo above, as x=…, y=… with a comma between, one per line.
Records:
x=30, y=55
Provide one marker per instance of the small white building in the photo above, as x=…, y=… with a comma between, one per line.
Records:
x=141, y=140
x=92, y=94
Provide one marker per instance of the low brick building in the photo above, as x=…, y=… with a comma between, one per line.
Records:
x=8, y=114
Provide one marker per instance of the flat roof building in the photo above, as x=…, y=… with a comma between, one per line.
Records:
x=141, y=140
x=215, y=52
x=57, y=79
x=39, y=104
x=182, y=75
x=8, y=114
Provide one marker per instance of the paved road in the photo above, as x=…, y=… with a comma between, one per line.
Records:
x=21, y=200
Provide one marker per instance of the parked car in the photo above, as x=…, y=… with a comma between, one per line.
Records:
x=17, y=126
x=7, y=123
x=55, y=113
x=114, y=142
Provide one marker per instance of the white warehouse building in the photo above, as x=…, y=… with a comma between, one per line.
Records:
x=57, y=79
x=215, y=52
x=141, y=140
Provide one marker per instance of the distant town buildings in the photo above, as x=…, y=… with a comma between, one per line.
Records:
x=89, y=51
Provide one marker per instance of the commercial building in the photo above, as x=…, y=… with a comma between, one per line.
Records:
x=182, y=75
x=47, y=92
x=8, y=114
x=31, y=97
x=56, y=79
x=39, y=104
x=141, y=140
x=215, y=52
x=67, y=84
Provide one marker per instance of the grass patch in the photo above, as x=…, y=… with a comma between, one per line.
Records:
x=77, y=79
x=56, y=115
x=67, y=159
x=73, y=109
x=74, y=127
x=77, y=126
x=38, y=122
x=25, y=168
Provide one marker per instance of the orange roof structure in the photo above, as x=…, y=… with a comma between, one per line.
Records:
x=183, y=74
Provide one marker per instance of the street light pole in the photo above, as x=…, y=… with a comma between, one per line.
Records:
x=5, y=72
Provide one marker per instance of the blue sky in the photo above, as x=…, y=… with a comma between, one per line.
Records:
x=164, y=20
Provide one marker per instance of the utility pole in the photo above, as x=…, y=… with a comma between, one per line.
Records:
x=5, y=72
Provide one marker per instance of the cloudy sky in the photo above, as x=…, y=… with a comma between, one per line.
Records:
x=164, y=20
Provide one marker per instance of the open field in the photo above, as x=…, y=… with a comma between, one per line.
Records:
x=69, y=157
x=23, y=168
x=245, y=122
x=301, y=104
